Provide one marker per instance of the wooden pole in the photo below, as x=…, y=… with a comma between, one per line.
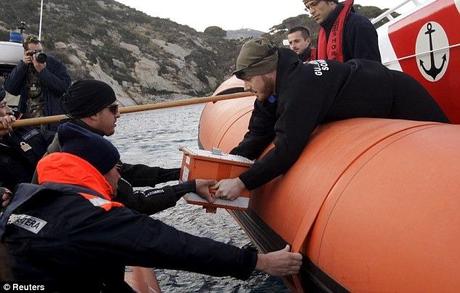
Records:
x=136, y=108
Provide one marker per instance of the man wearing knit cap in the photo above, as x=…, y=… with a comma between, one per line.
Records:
x=87, y=97
x=294, y=98
x=69, y=225
x=92, y=105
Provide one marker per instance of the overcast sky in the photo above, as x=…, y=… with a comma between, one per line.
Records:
x=231, y=14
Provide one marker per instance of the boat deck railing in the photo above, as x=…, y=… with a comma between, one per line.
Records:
x=405, y=4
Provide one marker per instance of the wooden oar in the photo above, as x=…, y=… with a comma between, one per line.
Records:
x=136, y=108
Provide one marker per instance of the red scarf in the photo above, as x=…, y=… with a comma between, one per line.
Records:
x=332, y=49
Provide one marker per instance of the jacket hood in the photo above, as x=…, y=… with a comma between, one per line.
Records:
x=66, y=168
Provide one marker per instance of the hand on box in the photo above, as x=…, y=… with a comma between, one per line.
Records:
x=203, y=188
x=229, y=188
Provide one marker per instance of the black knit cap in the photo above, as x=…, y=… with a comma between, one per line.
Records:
x=85, y=98
x=91, y=147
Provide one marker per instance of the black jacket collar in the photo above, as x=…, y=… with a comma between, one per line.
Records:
x=86, y=126
x=306, y=54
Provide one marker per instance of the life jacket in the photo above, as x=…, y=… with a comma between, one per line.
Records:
x=65, y=168
x=332, y=48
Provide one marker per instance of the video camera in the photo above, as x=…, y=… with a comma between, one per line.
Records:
x=40, y=56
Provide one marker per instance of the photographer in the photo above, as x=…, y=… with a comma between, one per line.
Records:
x=41, y=80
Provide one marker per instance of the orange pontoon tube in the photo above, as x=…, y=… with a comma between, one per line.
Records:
x=373, y=204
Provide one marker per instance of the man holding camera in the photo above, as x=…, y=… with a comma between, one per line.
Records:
x=41, y=80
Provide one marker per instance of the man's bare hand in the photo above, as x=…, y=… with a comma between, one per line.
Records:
x=203, y=187
x=27, y=58
x=6, y=122
x=229, y=188
x=279, y=263
x=6, y=196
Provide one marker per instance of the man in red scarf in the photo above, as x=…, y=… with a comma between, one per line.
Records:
x=343, y=35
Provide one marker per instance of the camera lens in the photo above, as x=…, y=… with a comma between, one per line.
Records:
x=41, y=57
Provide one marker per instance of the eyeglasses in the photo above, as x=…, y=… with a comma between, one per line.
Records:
x=240, y=74
x=310, y=4
x=113, y=108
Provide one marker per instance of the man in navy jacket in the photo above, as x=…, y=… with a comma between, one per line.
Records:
x=39, y=82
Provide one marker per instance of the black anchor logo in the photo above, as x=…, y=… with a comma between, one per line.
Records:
x=433, y=71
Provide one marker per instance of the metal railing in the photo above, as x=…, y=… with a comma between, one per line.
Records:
x=387, y=63
x=387, y=14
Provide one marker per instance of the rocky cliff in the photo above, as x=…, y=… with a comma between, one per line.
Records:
x=144, y=58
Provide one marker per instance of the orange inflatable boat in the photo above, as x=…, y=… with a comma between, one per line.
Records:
x=373, y=204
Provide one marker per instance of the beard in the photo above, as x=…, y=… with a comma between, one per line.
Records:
x=267, y=89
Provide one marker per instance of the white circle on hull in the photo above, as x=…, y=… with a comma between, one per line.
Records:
x=432, y=51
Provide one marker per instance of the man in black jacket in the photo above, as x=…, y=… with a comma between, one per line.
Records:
x=306, y=95
x=68, y=234
x=344, y=34
x=300, y=42
x=40, y=81
x=92, y=104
